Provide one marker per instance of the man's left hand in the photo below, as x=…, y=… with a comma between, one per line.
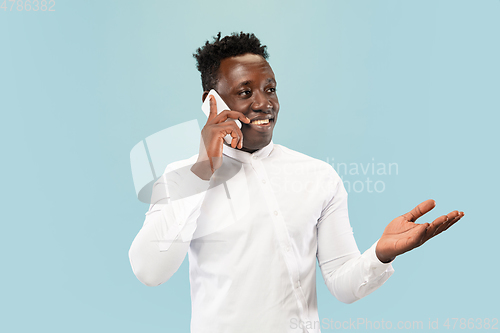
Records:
x=403, y=234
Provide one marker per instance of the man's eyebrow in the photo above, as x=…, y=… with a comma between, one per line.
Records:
x=246, y=83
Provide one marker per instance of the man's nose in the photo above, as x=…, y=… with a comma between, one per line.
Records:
x=261, y=103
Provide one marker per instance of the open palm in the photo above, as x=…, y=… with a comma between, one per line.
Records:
x=403, y=234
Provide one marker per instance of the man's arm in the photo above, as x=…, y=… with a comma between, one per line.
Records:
x=150, y=265
x=348, y=274
x=161, y=245
x=351, y=276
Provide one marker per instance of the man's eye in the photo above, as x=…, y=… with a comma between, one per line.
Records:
x=245, y=92
x=272, y=89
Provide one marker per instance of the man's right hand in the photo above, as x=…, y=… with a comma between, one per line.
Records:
x=212, y=139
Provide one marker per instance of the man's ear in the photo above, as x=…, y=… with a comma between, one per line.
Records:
x=205, y=94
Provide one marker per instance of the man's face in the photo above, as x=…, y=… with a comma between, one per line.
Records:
x=247, y=84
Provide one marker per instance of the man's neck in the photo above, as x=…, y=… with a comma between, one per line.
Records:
x=251, y=151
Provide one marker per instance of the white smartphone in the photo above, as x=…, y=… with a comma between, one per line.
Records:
x=221, y=106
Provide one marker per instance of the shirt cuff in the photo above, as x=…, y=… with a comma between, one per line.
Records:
x=374, y=273
x=374, y=267
x=372, y=255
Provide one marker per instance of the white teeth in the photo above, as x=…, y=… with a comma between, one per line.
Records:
x=260, y=122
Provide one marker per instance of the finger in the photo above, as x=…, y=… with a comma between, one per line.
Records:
x=440, y=228
x=442, y=223
x=224, y=115
x=455, y=221
x=235, y=138
x=235, y=129
x=431, y=229
x=453, y=214
x=452, y=218
x=451, y=223
x=213, y=108
x=446, y=225
x=232, y=129
x=420, y=210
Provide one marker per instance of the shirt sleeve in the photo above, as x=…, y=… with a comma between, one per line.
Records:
x=163, y=241
x=348, y=274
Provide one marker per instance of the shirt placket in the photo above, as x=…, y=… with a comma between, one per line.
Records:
x=283, y=237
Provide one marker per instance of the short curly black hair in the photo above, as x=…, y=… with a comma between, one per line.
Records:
x=210, y=55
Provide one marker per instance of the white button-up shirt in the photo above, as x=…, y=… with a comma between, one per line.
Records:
x=253, y=234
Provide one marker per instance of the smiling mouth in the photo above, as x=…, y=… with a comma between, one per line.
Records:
x=261, y=122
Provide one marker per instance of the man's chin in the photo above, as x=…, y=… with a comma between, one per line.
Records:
x=254, y=146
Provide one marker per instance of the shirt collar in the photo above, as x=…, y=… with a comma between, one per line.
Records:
x=246, y=157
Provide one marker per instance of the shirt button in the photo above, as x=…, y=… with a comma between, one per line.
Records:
x=263, y=181
x=287, y=249
x=297, y=285
x=275, y=212
x=254, y=157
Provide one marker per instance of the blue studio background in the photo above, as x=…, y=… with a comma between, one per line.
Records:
x=408, y=84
